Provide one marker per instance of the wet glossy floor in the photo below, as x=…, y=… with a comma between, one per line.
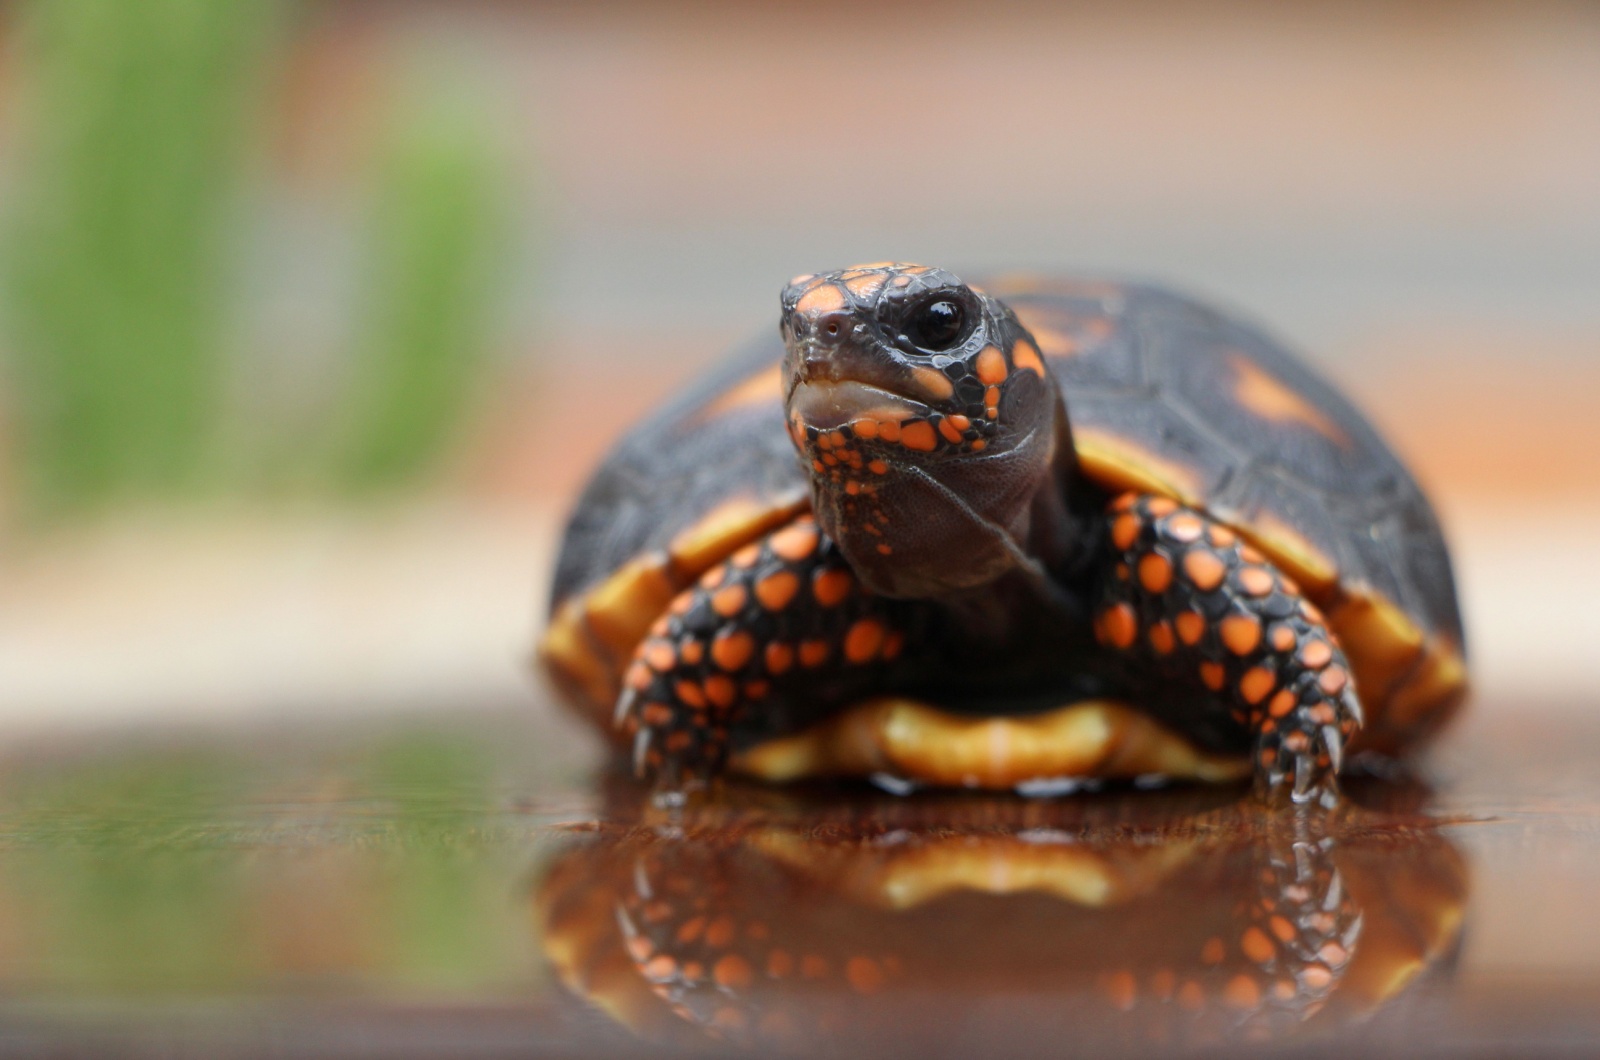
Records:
x=463, y=886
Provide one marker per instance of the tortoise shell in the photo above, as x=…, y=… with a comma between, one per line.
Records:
x=1163, y=395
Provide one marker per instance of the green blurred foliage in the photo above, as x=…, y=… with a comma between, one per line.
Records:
x=124, y=240
x=435, y=240
x=210, y=872
x=135, y=123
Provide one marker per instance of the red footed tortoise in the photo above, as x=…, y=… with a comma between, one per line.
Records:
x=1012, y=536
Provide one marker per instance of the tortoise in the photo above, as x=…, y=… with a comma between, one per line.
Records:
x=1021, y=535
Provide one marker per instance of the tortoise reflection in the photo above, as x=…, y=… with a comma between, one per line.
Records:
x=770, y=921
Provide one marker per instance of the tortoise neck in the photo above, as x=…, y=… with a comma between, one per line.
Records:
x=1064, y=511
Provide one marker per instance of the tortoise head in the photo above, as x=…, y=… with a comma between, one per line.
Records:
x=927, y=420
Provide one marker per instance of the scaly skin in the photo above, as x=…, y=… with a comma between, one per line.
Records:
x=1209, y=614
x=781, y=622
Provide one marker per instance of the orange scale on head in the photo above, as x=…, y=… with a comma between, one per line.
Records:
x=823, y=298
x=918, y=436
x=1191, y=627
x=979, y=445
x=1161, y=638
x=692, y=652
x=1282, y=637
x=889, y=430
x=991, y=366
x=950, y=431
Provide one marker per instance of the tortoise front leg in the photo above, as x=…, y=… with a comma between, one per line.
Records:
x=781, y=622
x=1207, y=610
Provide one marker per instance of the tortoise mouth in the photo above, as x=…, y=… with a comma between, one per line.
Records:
x=827, y=405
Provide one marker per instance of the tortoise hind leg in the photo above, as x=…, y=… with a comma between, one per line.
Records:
x=1206, y=610
x=781, y=623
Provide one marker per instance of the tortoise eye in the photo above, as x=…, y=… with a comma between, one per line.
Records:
x=937, y=325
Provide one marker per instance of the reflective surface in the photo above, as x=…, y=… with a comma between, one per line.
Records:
x=775, y=921
x=465, y=886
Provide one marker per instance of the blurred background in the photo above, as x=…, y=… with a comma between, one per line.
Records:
x=314, y=315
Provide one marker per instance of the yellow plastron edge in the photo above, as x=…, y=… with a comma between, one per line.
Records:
x=908, y=738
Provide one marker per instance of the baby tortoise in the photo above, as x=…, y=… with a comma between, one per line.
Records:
x=1038, y=531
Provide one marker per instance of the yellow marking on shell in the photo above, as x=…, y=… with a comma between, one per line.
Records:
x=726, y=528
x=569, y=653
x=911, y=875
x=591, y=637
x=765, y=387
x=1026, y=358
x=909, y=738
x=1290, y=550
x=621, y=609
x=1120, y=465
x=1391, y=667
x=1381, y=642
x=1272, y=400
x=1052, y=342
